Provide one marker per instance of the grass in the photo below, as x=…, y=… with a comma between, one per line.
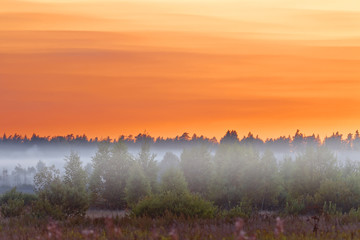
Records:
x=98, y=213
x=266, y=227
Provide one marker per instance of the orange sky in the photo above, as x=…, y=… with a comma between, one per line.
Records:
x=169, y=66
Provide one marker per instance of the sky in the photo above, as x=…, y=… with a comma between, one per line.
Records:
x=106, y=68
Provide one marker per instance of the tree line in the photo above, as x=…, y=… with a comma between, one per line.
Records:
x=298, y=141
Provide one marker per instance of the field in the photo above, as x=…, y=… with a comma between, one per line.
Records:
x=260, y=226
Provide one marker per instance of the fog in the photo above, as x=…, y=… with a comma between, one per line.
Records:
x=19, y=155
x=26, y=157
x=29, y=155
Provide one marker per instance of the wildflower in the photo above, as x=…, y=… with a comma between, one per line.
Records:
x=239, y=232
x=53, y=230
x=279, y=229
x=173, y=234
x=112, y=229
x=154, y=234
x=87, y=233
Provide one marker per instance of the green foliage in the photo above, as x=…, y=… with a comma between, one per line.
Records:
x=60, y=201
x=58, y=198
x=173, y=180
x=13, y=208
x=187, y=205
x=147, y=162
x=236, y=174
x=330, y=209
x=354, y=214
x=99, y=164
x=12, y=203
x=263, y=183
x=45, y=176
x=111, y=166
x=13, y=194
x=241, y=173
x=309, y=170
x=29, y=199
x=75, y=175
x=313, y=178
x=243, y=210
x=170, y=160
x=337, y=191
x=196, y=165
x=137, y=185
x=294, y=207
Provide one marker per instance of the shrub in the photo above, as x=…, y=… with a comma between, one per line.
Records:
x=294, y=207
x=58, y=198
x=13, y=203
x=61, y=201
x=330, y=209
x=243, y=210
x=13, y=208
x=188, y=205
x=354, y=214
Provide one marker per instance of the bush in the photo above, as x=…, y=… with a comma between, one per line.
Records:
x=58, y=198
x=243, y=210
x=187, y=205
x=354, y=214
x=61, y=201
x=294, y=207
x=13, y=203
x=330, y=209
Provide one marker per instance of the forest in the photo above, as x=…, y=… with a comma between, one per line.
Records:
x=223, y=189
x=336, y=141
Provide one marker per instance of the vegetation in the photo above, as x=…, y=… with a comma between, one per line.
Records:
x=299, y=141
x=214, y=187
x=171, y=228
x=188, y=205
x=62, y=198
x=13, y=203
x=233, y=177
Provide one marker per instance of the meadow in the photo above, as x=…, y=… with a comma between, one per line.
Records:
x=260, y=226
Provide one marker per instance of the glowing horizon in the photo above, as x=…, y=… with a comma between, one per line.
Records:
x=170, y=66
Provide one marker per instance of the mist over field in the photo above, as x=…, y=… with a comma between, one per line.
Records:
x=29, y=156
x=20, y=155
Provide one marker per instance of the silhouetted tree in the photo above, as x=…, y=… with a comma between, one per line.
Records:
x=230, y=137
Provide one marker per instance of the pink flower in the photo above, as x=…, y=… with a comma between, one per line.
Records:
x=279, y=228
x=173, y=234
